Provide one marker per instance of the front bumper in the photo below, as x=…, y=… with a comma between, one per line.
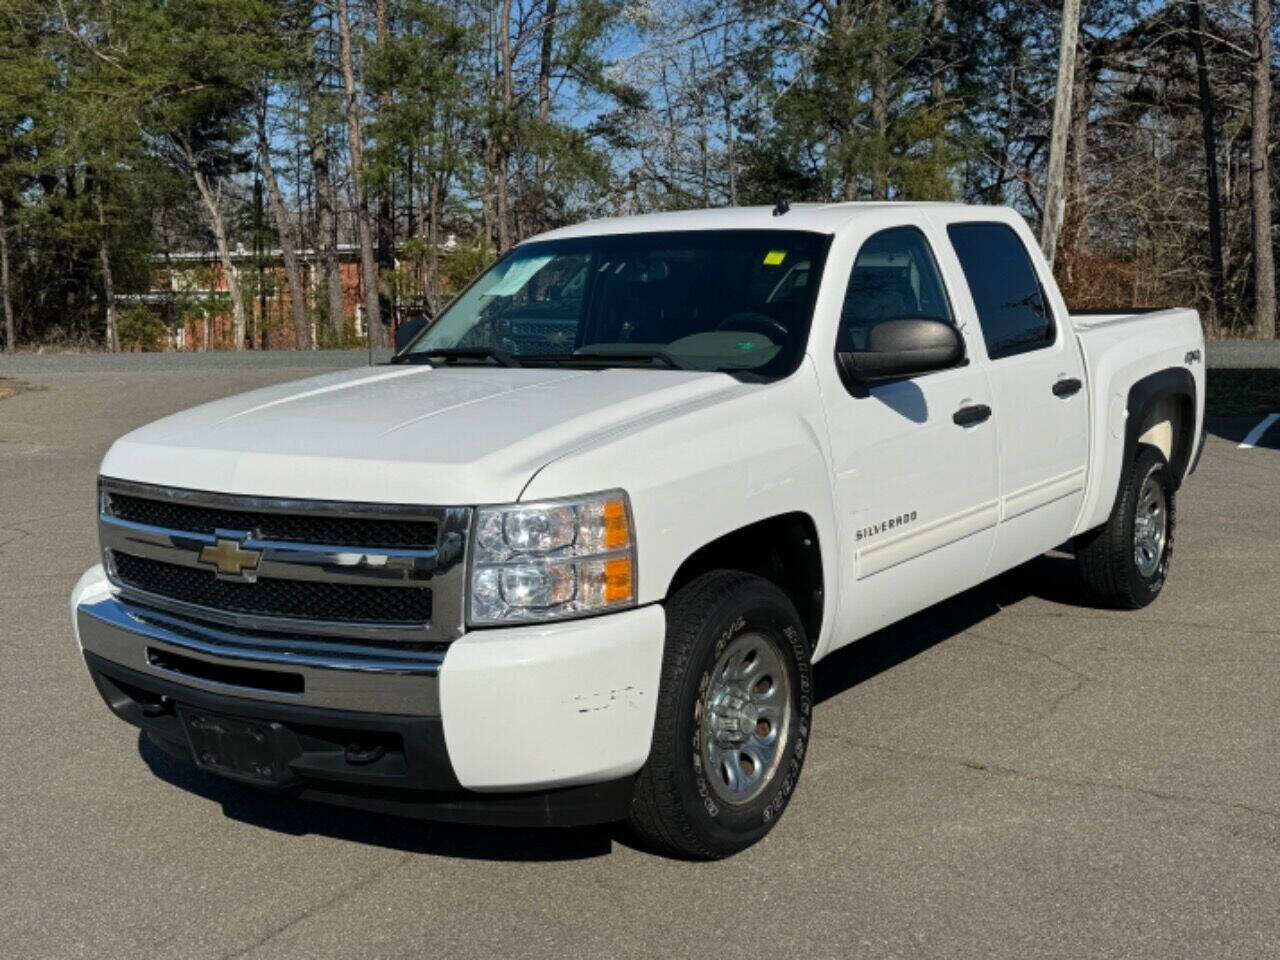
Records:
x=536, y=724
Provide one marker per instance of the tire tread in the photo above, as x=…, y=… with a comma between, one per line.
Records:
x=656, y=813
x=1104, y=556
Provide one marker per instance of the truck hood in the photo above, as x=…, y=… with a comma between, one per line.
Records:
x=402, y=434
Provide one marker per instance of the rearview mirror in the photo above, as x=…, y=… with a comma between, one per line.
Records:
x=903, y=348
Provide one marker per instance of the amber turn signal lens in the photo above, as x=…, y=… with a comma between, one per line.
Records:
x=618, y=581
x=617, y=531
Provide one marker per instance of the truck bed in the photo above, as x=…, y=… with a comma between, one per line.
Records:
x=1119, y=350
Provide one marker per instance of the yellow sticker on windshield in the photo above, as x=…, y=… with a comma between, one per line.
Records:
x=774, y=257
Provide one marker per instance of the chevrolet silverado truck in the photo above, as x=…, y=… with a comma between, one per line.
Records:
x=571, y=556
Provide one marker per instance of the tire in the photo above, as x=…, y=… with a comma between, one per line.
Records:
x=728, y=633
x=1117, y=570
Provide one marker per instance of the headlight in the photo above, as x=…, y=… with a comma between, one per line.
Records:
x=552, y=560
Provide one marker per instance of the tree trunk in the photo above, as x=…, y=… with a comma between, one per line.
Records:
x=730, y=158
x=1216, y=271
x=1073, y=217
x=1055, y=193
x=10, y=328
x=327, y=230
x=1264, y=263
x=544, y=81
x=386, y=219
x=488, y=215
x=364, y=225
x=937, y=46
x=704, y=164
x=880, y=103
x=108, y=283
x=433, y=244
x=730, y=154
x=219, y=228
x=288, y=238
x=504, y=132
x=936, y=34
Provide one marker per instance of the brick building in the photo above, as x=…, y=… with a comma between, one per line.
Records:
x=189, y=292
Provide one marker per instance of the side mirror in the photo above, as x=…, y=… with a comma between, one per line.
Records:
x=407, y=331
x=903, y=348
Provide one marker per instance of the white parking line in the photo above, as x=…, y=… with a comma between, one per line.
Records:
x=1256, y=433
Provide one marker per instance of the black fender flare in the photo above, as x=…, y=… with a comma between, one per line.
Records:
x=1174, y=382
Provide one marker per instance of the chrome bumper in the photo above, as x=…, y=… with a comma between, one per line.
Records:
x=279, y=669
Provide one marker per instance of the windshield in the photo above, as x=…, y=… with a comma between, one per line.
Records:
x=739, y=301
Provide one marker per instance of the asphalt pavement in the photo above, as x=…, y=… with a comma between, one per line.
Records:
x=1010, y=774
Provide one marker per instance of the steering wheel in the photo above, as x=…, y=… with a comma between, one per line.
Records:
x=757, y=322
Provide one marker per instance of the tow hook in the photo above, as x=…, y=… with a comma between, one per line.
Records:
x=359, y=756
x=158, y=708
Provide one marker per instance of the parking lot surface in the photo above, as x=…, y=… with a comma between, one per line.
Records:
x=1010, y=774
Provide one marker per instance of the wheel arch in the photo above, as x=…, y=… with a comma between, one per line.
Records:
x=1161, y=411
x=783, y=549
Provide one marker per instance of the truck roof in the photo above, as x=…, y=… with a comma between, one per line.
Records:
x=813, y=217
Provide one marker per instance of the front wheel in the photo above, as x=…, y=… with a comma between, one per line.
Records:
x=1124, y=563
x=734, y=710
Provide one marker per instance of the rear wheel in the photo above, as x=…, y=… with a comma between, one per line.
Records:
x=1125, y=562
x=733, y=720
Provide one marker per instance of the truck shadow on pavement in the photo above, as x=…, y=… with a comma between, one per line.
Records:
x=283, y=814
x=1051, y=577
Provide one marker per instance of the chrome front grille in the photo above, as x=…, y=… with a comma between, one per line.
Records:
x=360, y=531
x=299, y=599
x=290, y=567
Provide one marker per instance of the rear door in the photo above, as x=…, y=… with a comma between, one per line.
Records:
x=1037, y=380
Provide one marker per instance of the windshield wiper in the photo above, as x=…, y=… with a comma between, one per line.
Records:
x=503, y=358
x=595, y=356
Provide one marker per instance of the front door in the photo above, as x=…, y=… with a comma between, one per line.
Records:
x=914, y=461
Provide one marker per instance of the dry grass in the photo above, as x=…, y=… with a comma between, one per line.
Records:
x=9, y=387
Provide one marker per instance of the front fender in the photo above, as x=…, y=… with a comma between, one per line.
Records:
x=706, y=469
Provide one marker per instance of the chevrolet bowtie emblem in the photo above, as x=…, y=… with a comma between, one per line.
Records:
x=229, y=558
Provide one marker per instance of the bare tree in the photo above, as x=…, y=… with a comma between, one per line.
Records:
x=211, y=197
x=544, y=80
x=1264, y=264
x=364, y=225
x=1055, y=197
x=287, y=233
x=1216, y=272
x=502, y=159
x=326, y=202
x=386, y=227
x=327, y=228
x=725, y=87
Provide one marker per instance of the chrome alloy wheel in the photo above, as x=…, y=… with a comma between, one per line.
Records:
x=1150, y=528
x=745, y=717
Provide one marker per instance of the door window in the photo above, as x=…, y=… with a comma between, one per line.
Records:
x=1011, y=304
x=895, y=276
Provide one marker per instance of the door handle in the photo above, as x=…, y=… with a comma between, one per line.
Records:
x=971, y=416
x=1066, y=388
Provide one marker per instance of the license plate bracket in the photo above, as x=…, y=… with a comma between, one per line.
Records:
x=255, y=751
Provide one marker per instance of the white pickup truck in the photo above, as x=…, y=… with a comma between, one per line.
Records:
x=571, y=556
